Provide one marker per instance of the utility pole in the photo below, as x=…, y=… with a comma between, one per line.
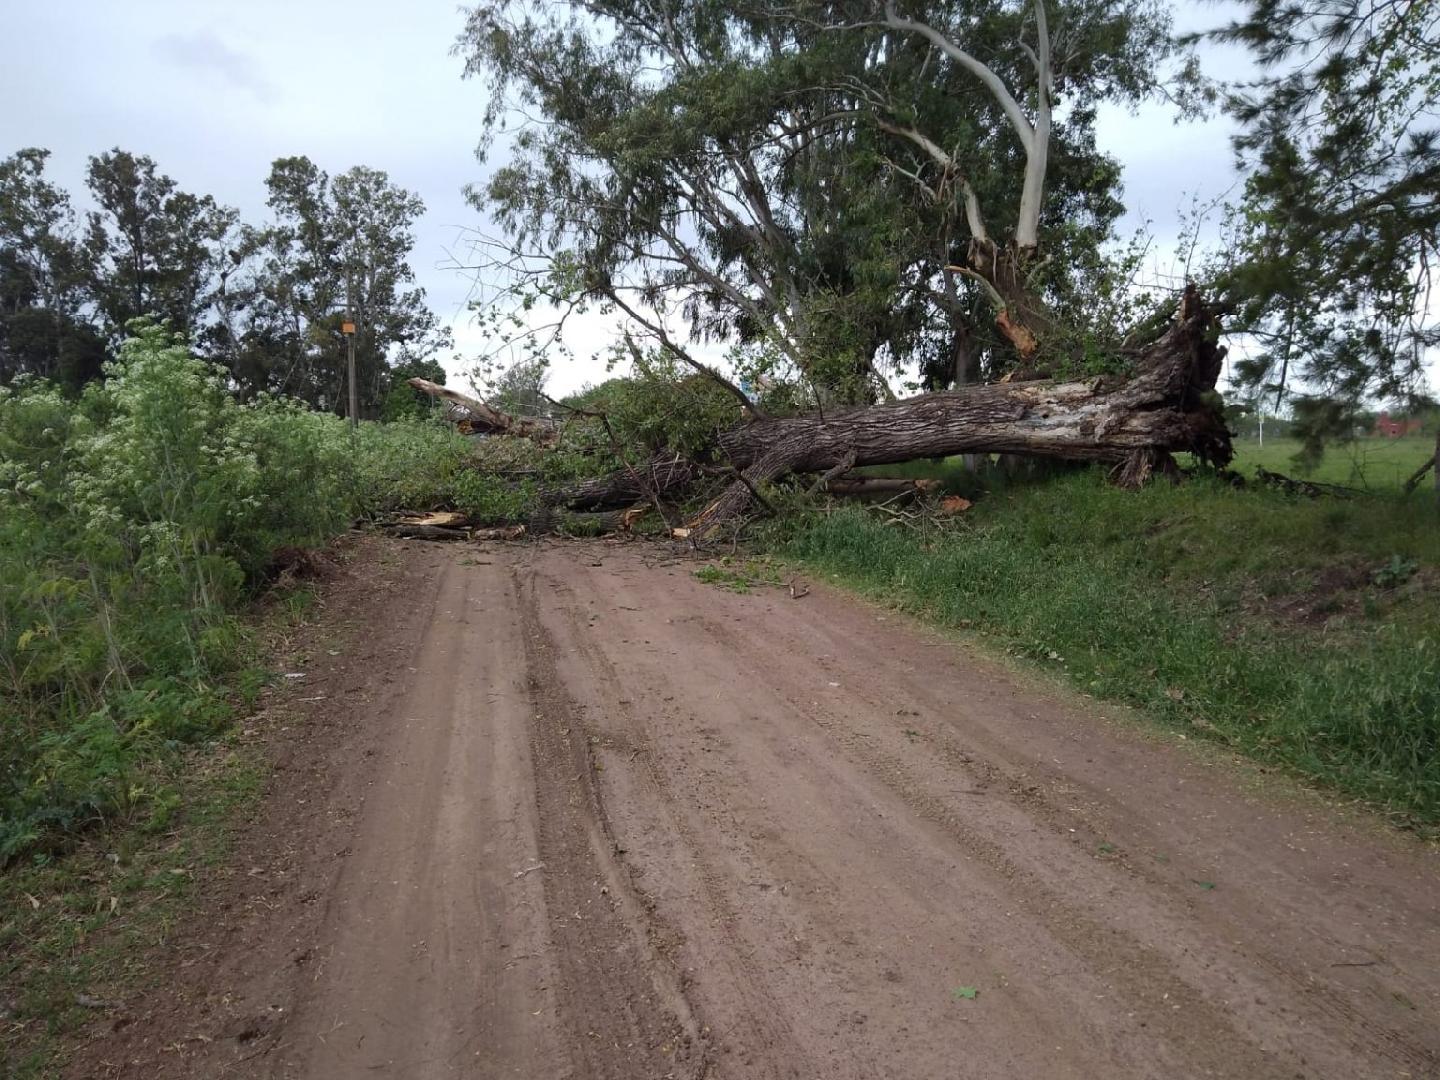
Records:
x=348, y=329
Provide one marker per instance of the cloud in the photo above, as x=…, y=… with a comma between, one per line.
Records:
x=204, y=51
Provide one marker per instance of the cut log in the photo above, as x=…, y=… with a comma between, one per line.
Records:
x=443, y=519
x=425, y=532
x=477, y=416
x=506, y=532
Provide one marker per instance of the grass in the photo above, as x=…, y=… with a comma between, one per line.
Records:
x=75, y=928
x=739, y=575
x=1304, y=633
x=1372, y=464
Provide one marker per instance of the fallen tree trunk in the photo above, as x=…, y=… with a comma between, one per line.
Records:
x=1167, y=406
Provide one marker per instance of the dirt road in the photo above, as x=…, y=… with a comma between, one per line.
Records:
x=566, y=811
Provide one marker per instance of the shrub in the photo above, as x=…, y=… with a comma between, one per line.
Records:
x=133, y=522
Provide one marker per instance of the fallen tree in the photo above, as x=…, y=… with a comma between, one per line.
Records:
x=1167, y=405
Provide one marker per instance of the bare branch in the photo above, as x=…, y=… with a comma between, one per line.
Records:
x=973, y=217
x=682, y=353
x=487, y=415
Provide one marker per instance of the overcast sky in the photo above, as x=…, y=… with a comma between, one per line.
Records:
x=216, y=91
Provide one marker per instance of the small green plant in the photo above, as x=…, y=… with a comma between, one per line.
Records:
x=725, y=579
x=741, y=578
x=1395, y=572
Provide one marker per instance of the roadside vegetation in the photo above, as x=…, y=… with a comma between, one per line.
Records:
x=1301, y=632
x=135, y=522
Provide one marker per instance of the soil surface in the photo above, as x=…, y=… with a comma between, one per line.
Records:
x=566, y=811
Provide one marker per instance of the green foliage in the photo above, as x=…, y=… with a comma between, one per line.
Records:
x=739, y=575
x=1335, y=235
x=489, y=502
x=151, y=248
x=268, y=303
x=133, y=522
x=338, y=245
x=743, y=169
x=43, y=279
x=404, y=402
x=663, y=409
x=1395, y=572
x=1284, y=646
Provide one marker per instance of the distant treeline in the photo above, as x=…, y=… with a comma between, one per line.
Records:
x=265, y=301
x=1246, y=422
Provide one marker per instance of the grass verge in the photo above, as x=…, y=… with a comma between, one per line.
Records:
x=75, y=928
x=1303, y=633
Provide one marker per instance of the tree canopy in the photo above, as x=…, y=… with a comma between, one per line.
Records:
x=803, y=181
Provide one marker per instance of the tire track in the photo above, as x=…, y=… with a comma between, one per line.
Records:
x=622, y=1002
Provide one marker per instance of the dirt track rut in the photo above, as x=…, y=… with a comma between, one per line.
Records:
x=611, y=822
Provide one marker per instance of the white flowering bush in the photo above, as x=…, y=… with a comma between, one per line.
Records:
x=132, y=523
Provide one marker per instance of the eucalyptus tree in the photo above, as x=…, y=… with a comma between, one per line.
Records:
x=1336, y=236
x=834, y=187
x=992, y=106
x=152, y=248
x=825, y=185
x=338, y=248
x=663, y=168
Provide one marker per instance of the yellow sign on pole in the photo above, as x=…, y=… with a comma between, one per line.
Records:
x=347, y=327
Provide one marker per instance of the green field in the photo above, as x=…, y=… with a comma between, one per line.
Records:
x=1370, y=463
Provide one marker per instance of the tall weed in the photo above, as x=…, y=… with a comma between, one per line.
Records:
x=133, y=522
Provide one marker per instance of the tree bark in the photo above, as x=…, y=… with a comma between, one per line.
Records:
x=1021, y=316
x=1167, y=406
x=477, y=416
